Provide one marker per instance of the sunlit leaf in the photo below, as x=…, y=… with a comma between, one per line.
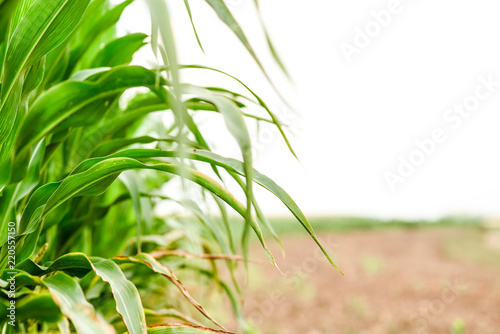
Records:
x=68, y=294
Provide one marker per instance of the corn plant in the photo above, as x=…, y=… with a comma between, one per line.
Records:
x=87, y=143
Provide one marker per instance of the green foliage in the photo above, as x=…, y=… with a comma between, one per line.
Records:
x=87, y=142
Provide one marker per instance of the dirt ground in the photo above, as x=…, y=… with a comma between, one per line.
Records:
x=400, y=281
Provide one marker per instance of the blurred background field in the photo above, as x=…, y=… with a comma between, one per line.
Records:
x=400, y=277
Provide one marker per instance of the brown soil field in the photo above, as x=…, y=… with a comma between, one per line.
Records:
x=395, y=281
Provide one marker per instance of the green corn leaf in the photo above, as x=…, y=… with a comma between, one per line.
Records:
x=94, y=26
x=275, y=55
x=34, y=77
x=130, y=182
x=15, y=192
x=74, y=264
x=3, y=46
x=88, y=74
x=63, y=100
x=75, y=183
x=26, y=244
x=103, y=170
x=120, y=51
x=110, y=127
x=45, y=25
x=225, y=220
x=188, y=8
x=225, y=16
x=209, y=223
x=23, y=279
x=236, y=125
x=19, y=13
x=7, y=8
x=8, y=132
x=138, y=111
x=261, y=102
x=101, y=174
x=112, y=146
x=56, y=65
x=260, y=215
x=69, y=295
x=233, y=298
x=128, y=302
x=32, y=213
x=32, y=178
x=157, y=267
x=236, y=167
x=228, y=164
x=39, y=307
x=270, y=44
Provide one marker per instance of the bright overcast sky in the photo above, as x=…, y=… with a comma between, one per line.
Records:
x=370, y=79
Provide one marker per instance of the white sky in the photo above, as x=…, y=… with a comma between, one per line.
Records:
x=357, y=118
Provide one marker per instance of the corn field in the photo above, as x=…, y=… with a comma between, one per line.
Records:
x=82, y=250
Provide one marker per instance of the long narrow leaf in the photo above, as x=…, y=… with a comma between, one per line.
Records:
x=154, y=265
x=45, y=25
x=70, y=298
x=128, y=301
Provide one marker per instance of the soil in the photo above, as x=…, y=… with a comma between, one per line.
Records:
x=399, y=281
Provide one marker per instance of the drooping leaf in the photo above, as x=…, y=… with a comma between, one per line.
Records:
x=69, y=295
x=102, y=172
x=128, y=302
x=236, y=125
x=270, y=44
x=261, y=102
x=157, y=267
x=188, y=8
x=74, y=184
x=225, y=16
x=231, y=165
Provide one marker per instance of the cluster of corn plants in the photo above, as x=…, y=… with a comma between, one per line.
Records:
x=81, y=171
